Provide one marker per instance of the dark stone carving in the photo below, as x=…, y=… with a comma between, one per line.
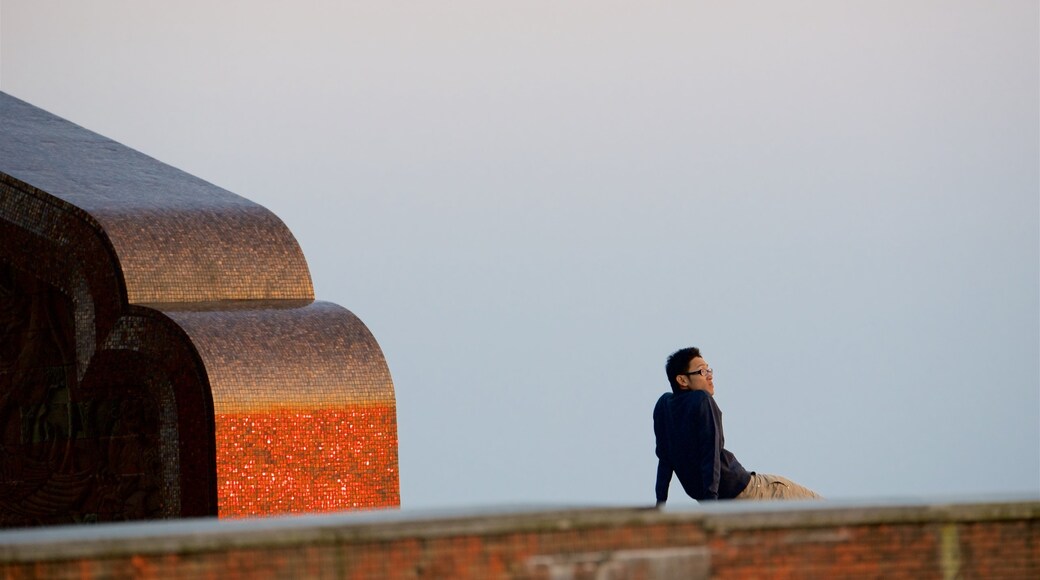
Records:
x=162, y=354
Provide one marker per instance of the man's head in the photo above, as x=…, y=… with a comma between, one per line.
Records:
x=688, y=371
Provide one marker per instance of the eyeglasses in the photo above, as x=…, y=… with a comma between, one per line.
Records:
x=702, y=372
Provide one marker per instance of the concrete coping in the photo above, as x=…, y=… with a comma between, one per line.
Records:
x=210, y=534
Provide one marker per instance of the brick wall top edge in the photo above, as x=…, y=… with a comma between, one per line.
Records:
x=813, y=515
x=208, y=535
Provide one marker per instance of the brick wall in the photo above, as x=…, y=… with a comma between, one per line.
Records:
x=726, y=540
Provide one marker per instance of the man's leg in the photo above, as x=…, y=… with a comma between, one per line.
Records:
x=765, y=486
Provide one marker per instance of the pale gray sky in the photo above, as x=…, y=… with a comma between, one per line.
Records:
x=531, y=204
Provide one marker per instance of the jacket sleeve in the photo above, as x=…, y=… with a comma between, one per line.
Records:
x=664, y=466
x=664, y=478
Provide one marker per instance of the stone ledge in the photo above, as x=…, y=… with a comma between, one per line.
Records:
x=211, y=535
x=813, y=515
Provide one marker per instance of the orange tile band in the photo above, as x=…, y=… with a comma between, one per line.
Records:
x=298, y=461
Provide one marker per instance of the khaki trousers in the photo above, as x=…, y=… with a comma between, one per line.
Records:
x=765, y=486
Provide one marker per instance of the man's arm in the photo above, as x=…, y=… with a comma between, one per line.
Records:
x=664, y=466
x=664, y=478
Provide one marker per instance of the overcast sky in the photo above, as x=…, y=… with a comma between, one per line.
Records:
x=531, y=204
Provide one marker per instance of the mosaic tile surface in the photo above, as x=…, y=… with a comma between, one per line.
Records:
x=162, y=354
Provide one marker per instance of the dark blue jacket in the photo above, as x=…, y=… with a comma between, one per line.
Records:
x=688, y=426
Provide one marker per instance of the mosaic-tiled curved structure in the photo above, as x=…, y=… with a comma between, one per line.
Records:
x=162, y=353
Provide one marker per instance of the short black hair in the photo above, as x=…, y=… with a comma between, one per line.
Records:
x=679, y=363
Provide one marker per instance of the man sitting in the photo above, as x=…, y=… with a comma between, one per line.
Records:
x=688, y=427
